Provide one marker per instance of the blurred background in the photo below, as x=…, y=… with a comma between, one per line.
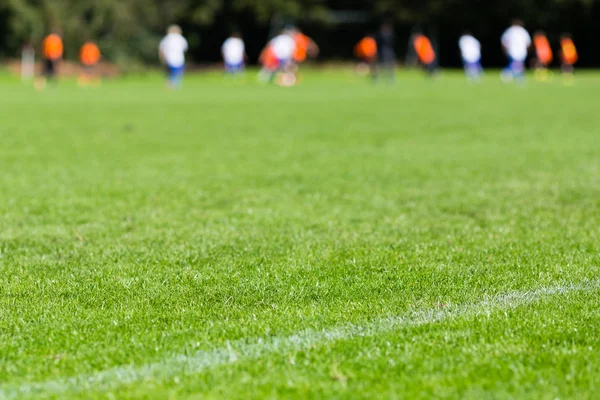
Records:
x=128, y=31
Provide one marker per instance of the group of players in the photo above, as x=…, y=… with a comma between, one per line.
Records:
x=282, y=55
x=279, y=59
x=374, y=52
x=52, y=53
x=517, y=42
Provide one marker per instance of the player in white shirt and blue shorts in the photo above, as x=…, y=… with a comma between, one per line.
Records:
x=284, y=47
x=516, y=42
x=233, y=51
x=470, y=50
x=172, y=53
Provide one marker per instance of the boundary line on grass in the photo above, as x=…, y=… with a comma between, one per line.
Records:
x=253, y=349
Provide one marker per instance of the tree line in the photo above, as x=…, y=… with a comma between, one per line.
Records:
x=128, y=30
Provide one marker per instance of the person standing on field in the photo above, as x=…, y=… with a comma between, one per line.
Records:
x=543, y=56
x=470, y=51
x=568, y=57
x=283, y=47
x=171, y=52
x=386, y=41
x=89, y=56
x=234, y=54
x=425, y=53
x=52, y=53
x=366, y=52
x=516, y=42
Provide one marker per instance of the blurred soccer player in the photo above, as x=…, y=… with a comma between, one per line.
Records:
x=515, y=42
x=234, y=54
x=27, y=62
x=386, y=41
x=89, y=56
x=283, y=47
x=172, y=51
x=305, y=46
x=366, y=51
x=425, y=53
x=568, y=57
x=543, y=56
x=269, y=62
x=470, y=50
x=52, y=52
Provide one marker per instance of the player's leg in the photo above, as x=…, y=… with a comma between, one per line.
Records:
x=86, y=76
x=287, y=73
x=179, y=76
x=48, y=70
x=507, y=73
x=362, y=68
x=431, y=69
x=518, y=70
x=542, y=73
x=238, y=69
x=175, y=76
x=231, y=69
x=479, y=69
x=375, y=68
x=567, y=70
x=472, y=71
x=388, y=64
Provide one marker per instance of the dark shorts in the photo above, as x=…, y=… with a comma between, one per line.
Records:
x=49, y=68
x=89, y=68
x=387, y=56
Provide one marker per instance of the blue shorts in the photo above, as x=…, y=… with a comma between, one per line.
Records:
x=472, y=65
x=516, y=66
x=175, y=72
x=234, y=68
x=284, y=62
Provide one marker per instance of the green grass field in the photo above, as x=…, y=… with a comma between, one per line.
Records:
x=336, y=239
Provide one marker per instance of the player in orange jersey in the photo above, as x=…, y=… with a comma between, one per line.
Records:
x=89, y=56
x=305, y=46
x=425, y=52
x=544, y=56
x=52, y=53
x=366, y=52
x=568, y=56
x=269, y=62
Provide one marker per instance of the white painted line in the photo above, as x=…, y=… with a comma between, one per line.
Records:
x=253, y=349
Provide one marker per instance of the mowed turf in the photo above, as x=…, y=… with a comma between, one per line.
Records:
x=336, y=239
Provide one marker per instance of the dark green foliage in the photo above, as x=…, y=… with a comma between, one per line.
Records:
x=129, y=30
x=126, y=29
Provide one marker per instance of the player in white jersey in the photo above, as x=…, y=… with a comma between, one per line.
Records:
x=283, y=47
x=234, y=54
x=470, y=50
x=171, y=51
x=516, y=42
